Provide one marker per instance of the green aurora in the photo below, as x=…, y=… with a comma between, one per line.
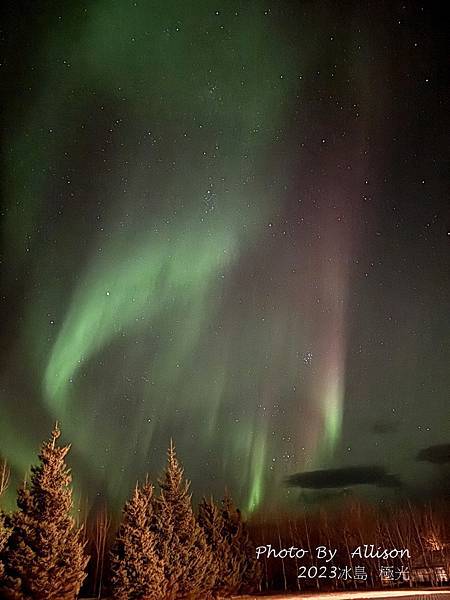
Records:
x=185, y=69
x=147, y=172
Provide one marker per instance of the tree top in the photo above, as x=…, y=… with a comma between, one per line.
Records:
x=55, y=433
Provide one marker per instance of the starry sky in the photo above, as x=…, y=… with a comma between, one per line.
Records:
x=227, y=223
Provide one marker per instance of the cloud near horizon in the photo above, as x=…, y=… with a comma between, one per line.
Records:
x=437, y=455
x=344, y=477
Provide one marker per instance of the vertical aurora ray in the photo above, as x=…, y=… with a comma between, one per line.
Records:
x=160, y=281
x=257, y=468
x=221, y=222
x=172, y=304
x=332, y=387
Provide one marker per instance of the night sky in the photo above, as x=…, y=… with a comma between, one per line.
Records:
x=227, y=223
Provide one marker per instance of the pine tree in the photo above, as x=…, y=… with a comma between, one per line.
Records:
x=227, y=563
x=237, y=534
x=137, y=572
x=188, y=564
x=44, y=556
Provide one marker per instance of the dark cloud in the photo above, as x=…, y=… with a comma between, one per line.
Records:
x=438, y=455
x=383, y=427
x=344, y=477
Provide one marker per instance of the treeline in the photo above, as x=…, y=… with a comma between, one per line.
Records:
x=423, y=529
x=162, y=550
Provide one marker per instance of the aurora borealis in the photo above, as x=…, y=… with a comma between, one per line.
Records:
x=226, y=223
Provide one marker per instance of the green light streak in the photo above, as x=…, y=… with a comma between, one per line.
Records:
x=333, y=419
x=176, y=73
x=115, y=298
x=258, y=464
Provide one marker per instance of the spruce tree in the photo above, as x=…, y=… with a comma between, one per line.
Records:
x=44, y=555
x=227, y=563
x=236, y=532
x=136, y=570
x=182, y=547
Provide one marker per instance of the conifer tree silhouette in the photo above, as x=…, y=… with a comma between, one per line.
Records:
x=236, y=532
x=137, y=571
x=44, y=556
x=227, y=564
x=181, y=543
